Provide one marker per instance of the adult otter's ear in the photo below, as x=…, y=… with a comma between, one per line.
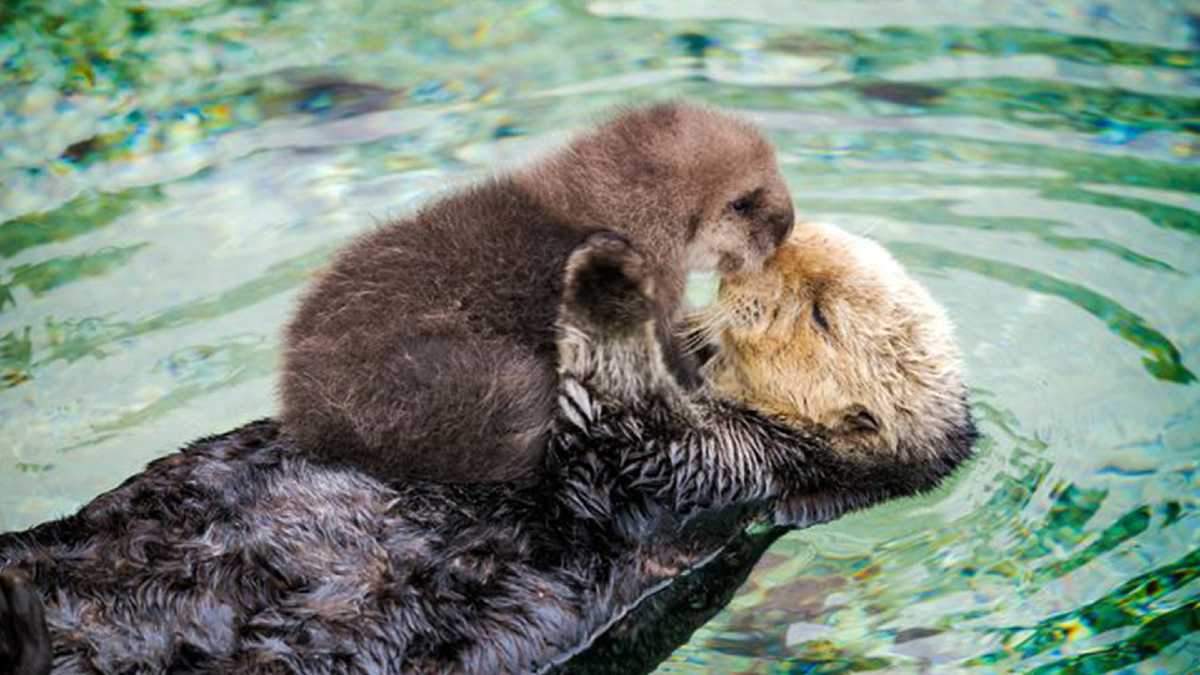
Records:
x=24, y=639
x=856, y=419
x=608, y=287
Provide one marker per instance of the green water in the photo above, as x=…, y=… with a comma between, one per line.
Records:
x=171, y=171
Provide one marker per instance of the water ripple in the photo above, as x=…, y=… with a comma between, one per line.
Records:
x=172, y=172
x=1163, y=360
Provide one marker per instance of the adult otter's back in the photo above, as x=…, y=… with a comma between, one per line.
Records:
x=433, y=337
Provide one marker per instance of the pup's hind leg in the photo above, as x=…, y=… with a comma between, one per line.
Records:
x=608, y=287
x=24, y=639
x=609, y=322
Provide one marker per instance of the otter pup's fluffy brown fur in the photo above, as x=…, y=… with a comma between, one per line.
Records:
x=432, y=337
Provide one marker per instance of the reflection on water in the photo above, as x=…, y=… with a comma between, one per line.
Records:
x=171, y=172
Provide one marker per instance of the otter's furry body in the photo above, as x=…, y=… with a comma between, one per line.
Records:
x=432, y=338
x=239, y=555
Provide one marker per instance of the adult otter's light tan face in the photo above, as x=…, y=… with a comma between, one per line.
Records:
x=834, y=332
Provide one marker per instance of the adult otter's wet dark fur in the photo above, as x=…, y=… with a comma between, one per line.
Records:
x=239, y=555
x=665, y=621
x=431, y=339
x=24, y=640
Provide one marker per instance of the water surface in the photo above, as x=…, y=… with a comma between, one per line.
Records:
x=171, y=171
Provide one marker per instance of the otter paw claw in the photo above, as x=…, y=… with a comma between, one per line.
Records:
x=576, y=405
x=608, y=285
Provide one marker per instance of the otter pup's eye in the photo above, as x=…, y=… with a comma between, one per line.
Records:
x=819, y=317
x=746, y=203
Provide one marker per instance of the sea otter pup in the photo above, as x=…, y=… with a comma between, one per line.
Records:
x=432, y=337
x=239, y=555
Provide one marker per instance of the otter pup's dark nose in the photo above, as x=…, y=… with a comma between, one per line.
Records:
x=781, y=223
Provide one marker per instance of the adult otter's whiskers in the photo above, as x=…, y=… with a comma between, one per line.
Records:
x=703, y=327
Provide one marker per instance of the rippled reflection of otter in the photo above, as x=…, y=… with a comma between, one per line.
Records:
x=239, y=555
x=432, y=338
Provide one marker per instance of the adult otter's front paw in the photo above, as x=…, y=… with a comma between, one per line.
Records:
x=24, y=639
x=608, y=287
x=806, y=510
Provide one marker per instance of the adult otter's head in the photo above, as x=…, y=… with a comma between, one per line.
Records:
x=690, y=184
x=834, y=333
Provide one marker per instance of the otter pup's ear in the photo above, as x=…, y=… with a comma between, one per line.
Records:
x=608, y=286
x=24, y=639
x=856, y=419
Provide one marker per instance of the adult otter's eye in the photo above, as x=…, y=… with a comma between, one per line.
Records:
x=819, y=317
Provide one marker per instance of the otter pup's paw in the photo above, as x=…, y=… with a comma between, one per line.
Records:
x=609, y=328
x=608, y=287
x=24, y=639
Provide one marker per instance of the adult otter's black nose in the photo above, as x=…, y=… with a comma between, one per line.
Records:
x=781, y=223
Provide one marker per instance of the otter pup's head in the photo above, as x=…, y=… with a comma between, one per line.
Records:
x=687, y=183
x=722, y=172
x=833, y=332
